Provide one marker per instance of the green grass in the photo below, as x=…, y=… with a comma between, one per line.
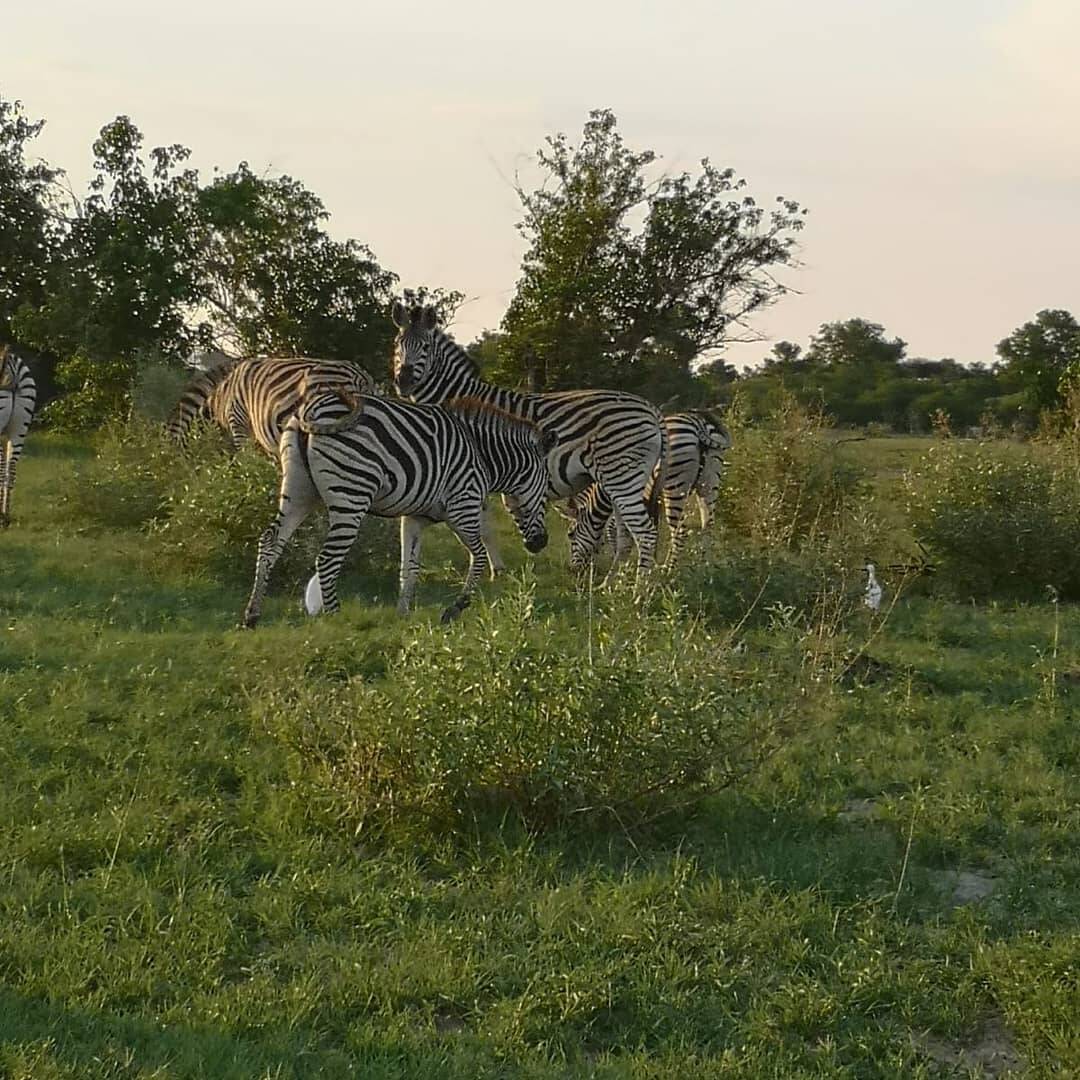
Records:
x=182, y=894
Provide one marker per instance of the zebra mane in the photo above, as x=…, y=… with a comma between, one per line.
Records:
x=449, y=346
x=471, y=408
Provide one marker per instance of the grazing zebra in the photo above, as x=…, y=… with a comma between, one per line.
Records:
x=422, y=463
x=696, y=443
x=253, y=398
x=18, y=395
x=606, y=437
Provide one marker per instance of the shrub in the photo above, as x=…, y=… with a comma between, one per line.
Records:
x=505, y=719
x=128, y=481
x=785, y=486
x=999, y=520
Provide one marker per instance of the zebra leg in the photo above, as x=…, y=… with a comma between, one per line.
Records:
x=298, y=497
x=627, y=495
x=412, y=529
x=487, y=534
x=469, y=532
x=675, y=506
x=340, y=537
x=5, y=486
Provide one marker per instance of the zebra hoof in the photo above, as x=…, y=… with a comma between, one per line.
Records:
x=5, y=521
x=454, y=610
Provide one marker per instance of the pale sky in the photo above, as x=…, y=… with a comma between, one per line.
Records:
x=935, y=142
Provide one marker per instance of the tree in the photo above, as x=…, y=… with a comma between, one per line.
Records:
x=1037, y=356
x=270, y=280
x=602, y=301
x=853, y=341
x=29, y=221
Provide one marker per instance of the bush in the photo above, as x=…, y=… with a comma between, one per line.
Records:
x=202, y=507
x=127, y=483
x=786, y=488
x=1000, y=520
x=504, y=719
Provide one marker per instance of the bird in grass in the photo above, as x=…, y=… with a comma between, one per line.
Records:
x=872, y=596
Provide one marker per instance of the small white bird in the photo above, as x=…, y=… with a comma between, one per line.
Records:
x=872, y=596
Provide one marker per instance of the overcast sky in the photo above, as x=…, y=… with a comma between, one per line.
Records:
x=935, y=142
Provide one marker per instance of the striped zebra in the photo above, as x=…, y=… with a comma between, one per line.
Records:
x=18, y=396
x=254, y=398
x=421, y=463
x=606, y=437
x=696, y=444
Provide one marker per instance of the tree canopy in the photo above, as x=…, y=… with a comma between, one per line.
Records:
x=628, y=281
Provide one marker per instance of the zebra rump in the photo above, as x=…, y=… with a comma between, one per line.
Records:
x=18, y=397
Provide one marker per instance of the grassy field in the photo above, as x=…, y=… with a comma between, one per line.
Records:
x=188, y=889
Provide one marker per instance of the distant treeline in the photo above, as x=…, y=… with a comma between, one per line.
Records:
x=628, y=281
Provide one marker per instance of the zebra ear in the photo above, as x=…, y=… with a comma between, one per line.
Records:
x=399, y=315
x=429, y=319
x=549, y=439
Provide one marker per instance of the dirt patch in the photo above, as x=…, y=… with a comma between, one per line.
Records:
x=991, y=1050
x=964, y=886
x=859, y=810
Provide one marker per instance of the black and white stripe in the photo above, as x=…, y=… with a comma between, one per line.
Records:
x=696, y=444
x=18, y=396
x=254, y=398
x=606, y=437
x=422, y=463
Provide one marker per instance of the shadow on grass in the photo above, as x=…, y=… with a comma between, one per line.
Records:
x=51, y=1039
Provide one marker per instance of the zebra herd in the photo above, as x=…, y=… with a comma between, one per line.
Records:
x=434, y=453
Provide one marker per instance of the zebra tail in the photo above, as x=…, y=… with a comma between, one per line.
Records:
x=310, y=424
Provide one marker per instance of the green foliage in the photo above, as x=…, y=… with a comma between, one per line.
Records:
x=854, y=341
x=152, y=263
x=600, y=303
x=504, y=719
x=277, y=284
x=1040, y=353
x=28, y=226
x=1000, y=520
x=787, y=488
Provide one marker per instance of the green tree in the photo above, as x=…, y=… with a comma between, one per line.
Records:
x=30, y=223
x=605, y=300
x=123, y=277
x=853, y=341
x=1037, y=355
x=270, y=280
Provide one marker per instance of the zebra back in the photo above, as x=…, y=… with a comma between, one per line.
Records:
x=255, y=397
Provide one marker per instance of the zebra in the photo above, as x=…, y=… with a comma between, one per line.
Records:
x=18, y=396
x=696, y=444
x=607, y=437
x=421, y=463
x=254, y=397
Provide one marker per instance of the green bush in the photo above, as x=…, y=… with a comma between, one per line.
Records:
x=202, y=508
x=127, y=483
x=1000, y=519
x=505, y=719
x=785, y=486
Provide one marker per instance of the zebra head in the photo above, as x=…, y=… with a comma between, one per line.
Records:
x=588, y=515
x=525, y=496
x=414, y=346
